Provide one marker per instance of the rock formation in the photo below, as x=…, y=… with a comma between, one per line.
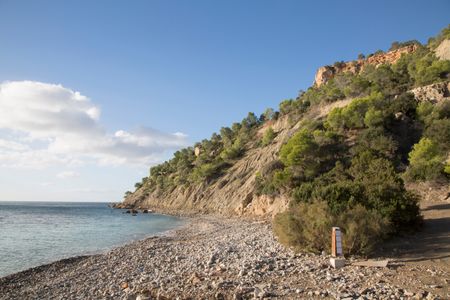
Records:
x=325, y=73
x=234, y=192
x=433, y=93
x=443, y=50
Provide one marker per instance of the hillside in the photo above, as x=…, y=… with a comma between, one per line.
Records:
x=342, y=150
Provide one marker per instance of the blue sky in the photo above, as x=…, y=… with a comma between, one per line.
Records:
x=170, y=70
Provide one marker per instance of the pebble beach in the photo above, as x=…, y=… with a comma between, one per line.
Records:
x=214, y=258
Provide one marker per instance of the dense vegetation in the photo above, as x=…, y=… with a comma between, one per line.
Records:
x=208, y=159
x=350, y=169
x=347, y=169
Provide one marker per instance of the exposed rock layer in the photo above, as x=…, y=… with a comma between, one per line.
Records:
x=443, y=50
x=433, y=93
x=325, y=73
x=234, y=192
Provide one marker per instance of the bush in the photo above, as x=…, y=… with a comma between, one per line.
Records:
x=234, y=151
x=362, y=230
x=353, y=115
x=375, y=140
x=268, y=136
x=439, y=132
x=370, y=181
x=209, y=171
x=373, y=118
x=447, y=169
x=425, y=161
x=307, y=226
x=428, y=70
x=300, y=154
x=268, y=114
x=357, y=87
x=286, y=106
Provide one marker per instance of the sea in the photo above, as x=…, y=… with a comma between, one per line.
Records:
x=36, y=233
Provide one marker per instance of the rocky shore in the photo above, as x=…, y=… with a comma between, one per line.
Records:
x=211, y=258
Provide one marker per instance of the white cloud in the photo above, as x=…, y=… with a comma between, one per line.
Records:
x=44, y=124
x=67, y=174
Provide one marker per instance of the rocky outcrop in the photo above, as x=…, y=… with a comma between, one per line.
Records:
x=443, y=50
x=325, y=73
x=433, y=93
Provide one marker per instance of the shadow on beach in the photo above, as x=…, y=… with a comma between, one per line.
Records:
x=431, y=244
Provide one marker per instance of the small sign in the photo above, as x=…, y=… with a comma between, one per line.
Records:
x=336, y=242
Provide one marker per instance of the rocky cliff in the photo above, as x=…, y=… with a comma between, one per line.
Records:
x=233, y=193
x=325, y=73
x=443, y=50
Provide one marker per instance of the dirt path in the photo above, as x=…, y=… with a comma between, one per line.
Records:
x=432, y=244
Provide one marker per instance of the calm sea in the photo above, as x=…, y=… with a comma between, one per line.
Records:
x=35, y=233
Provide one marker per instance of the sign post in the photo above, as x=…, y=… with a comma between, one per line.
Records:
x=337, y=259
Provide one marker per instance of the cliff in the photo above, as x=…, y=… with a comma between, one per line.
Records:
x=325, y=73
x=233, y=191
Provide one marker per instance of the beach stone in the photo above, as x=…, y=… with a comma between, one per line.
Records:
x=124, y=285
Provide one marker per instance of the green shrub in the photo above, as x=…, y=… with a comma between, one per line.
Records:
x=209, y=171
x=234, y=151
x=375, y=140
x=357, y=87
x=428, y=70
x=425, y=161
x=373, y=118
x=300, y=154
x=447, y=169
x=286, y=106
x=362, y=230
x=439, y=132
x=268, y=136
x=307, y=227
x=353, y=115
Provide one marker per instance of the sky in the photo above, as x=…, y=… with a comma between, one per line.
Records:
x=92, y=93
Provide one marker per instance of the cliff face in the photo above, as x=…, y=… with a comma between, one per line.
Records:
x=325, y=73
x=233, y=193
x=443, y=50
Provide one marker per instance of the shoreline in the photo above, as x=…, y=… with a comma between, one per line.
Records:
x=216, y=258
x=87, y=254
x=33, y=258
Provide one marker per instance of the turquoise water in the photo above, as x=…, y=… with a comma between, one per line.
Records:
x=35, y=233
